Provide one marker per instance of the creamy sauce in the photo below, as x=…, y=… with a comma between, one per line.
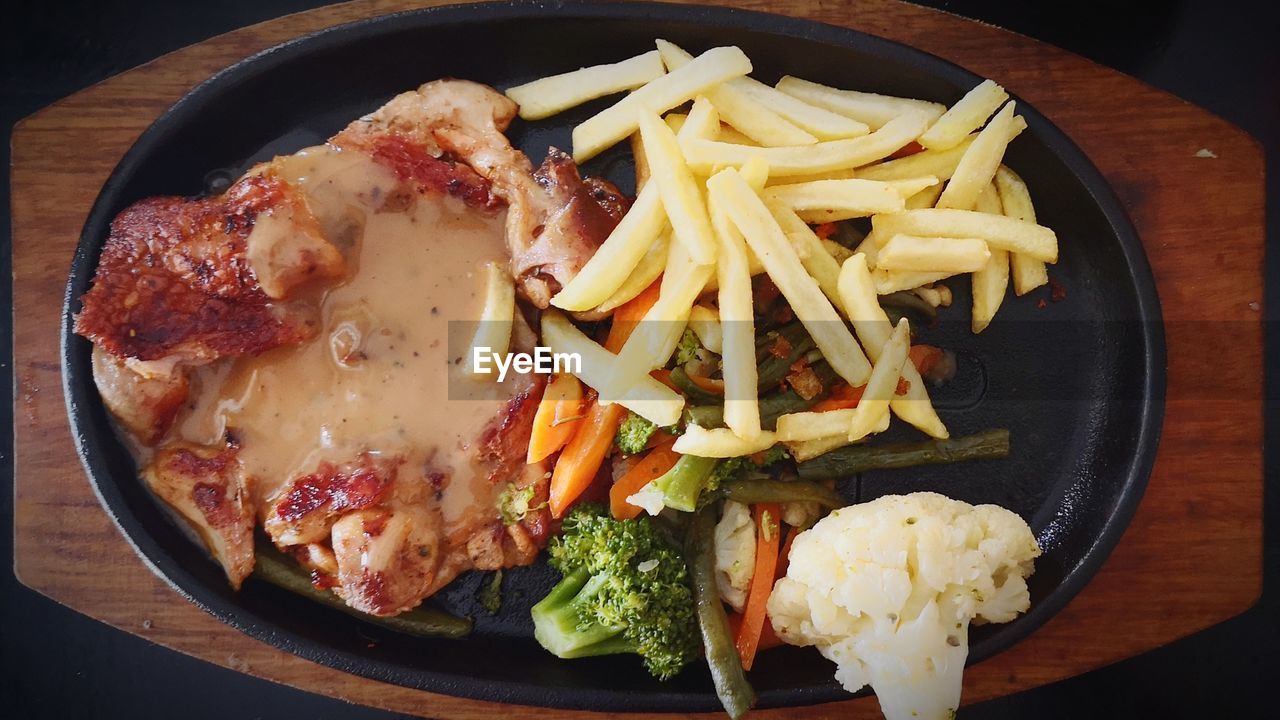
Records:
x=377, y=376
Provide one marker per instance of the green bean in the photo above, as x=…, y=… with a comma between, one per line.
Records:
x=279, y=570
x=685, y=481
x=691, y=390
x=706, y=416
x=986, y=445
x=772, y=406
x=848, y=235
x=736, y=694
x=910, y=304
x=772, y=369
x=781, y=491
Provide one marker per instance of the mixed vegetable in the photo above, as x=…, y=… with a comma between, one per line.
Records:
x=629, y=587
x=745, y=375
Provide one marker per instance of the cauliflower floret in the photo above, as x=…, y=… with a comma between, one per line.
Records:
x=735, y=553
x=887, y=590
x=801, y=513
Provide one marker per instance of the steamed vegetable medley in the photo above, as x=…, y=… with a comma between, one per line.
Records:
x=745, y=333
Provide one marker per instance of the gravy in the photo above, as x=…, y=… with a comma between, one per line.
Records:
x=376, y=377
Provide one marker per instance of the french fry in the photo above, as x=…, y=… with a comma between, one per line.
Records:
x=748, y=116
x=620, y=120
x=703, y=120
x=1028, y=272
x=819, y=123
x=807, y=301
x=933, y=254
x=647, y=397
x=1005, y=233
x=681, y=196
x=926, y=198
x=618, y=256
x=801, y=426
x=822, y=123
x=705, y=323
x=846, y=174
x=642, y=165
x=837, y=199
x=991, y=282
x=656, y=336
x=838, y=252
x=873, y=409
x=888, y=282
x=938, y=163
x=757, y=122
x=546, y=97
x=988, y=201
x=809, y=449
x=869, y=248
x=720, y=443
x=755, y=173
x=817, y=262
x=910, y=187
x=706, y=155
x=496, y=317
x=648, y=270
x=737, y=327
x=728, y=135
x=870, y=108
x=873, y=329
x=979, y=164
x=965, y=116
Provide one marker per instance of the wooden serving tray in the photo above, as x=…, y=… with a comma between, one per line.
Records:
x=1191, y=558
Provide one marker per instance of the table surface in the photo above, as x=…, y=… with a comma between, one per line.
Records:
x=32, y=691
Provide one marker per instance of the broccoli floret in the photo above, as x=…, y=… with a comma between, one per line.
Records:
x=634, y=433
x=728, y=469
x=625, y=590
x=688, y=348
x=514, y=503
x=775, y=454
x=735, y=468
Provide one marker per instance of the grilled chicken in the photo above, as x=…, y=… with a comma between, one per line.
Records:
x=555, y=219
x=187, y=282
x=306, y=509
x=209, y=489
x=176, y=277
x=145, y=404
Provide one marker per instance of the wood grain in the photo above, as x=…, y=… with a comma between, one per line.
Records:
x=1202, y=511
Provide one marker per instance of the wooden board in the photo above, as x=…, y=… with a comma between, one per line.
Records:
x=1192, y=556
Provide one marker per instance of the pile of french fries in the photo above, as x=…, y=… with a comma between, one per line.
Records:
x=728, y=188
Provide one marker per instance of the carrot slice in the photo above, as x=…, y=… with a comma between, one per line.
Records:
x=768, y=530
x=843, y=397
x=659, y=437
x=659, y=460
x=663, y=376
x=586, y=451
x=628, y=314
x=558, y=417
x=825, y=230
x=711, y=385
x=910, y=148
x=924, y=357
x=584, y=454
x=768, y=637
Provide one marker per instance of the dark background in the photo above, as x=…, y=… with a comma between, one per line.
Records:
x=1224, y=56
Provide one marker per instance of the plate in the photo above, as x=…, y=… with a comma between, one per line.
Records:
x=1077, y=373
